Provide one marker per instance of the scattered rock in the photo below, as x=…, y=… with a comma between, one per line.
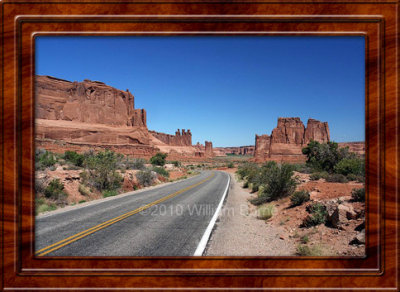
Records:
x=359, y=238
x=360, y=227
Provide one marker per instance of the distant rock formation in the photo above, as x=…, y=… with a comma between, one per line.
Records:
x=288, y=138
x=179, y=139
x=356, y=147
x=208, y=149
x=240, y=150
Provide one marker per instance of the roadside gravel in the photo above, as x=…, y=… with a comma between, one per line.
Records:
x=238, y=232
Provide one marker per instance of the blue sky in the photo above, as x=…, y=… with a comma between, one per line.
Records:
x=225, y=89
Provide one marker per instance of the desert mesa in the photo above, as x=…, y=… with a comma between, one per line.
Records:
x=80, y=116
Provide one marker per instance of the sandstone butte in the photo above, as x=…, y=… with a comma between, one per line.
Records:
x=92, y=115
x=289, y=137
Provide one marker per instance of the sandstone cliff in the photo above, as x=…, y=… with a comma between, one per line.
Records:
x=92, y=115
x=288, y=139
x=209, y=149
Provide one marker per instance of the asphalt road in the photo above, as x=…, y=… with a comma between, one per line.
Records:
x=165, y=221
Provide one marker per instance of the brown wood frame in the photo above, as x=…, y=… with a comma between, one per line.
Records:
x=375, y=20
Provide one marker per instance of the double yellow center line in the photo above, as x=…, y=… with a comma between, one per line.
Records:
x=73, y=238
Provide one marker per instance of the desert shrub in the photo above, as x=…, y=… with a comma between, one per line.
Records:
x=352, y=165
x=304, y=239
x=83, y=190
x=74, y=158
x=325, y=156
x=145, y=177
x=109, y=193
x=336, y=177
x=303, y=168
x=44, y=159
x=161, y=171
x=55, y=191
x=265, y=212
x=82, y=201
x=357, y=178
x=305, y=250
x=318, y=215
x=136, y=163
x=176, y=163
x=247, y=169
x=299, y=198
x=318, y=175
x=159, y=159
x=358, y=195
x=101, y=170
x=230, y=165
x=279, y=181
x=40, y=185
x=42, y=206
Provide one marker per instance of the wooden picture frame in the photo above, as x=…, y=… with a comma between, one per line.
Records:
x=22, y=21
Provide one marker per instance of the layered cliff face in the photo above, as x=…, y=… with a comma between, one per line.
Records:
x=90, y=102
x=92, y=115
x=179, y=139
x=240, y=150
x=288, y=139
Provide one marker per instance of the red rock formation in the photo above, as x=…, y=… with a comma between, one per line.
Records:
x=92, y=115
x=356, y=147
x=316, y=131
x=288, y=139
x=209, y=149
x=241, y=150
x=184, y=139
x=263, y=143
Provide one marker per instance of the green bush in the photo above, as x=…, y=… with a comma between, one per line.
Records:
x=348, y=166
x=101, y=170
x=299, y=198
x=55, y=191
x=230, y=165
x=82, y=201
x=265, y=212
x=318, y=215
x=145, y=178
x=277, y=182
x=42, y=206
x=303, y=168
x=159, y=159
x=44, y=159
x=109, y=193
x=304, y=239
x=73, y=157
x=176, y=163
x=325, y=156
x=357, y=178
x=136, y=163
x=247, y=170
x=83, y=190
x=340, y=178
x=304, y=250
x=161, y=171
x=358, y=195
x=319, y=175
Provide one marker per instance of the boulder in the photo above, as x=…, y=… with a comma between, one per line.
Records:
x=359, y=238
x=339, y=214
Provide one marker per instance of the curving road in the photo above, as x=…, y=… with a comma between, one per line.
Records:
x=168, y=220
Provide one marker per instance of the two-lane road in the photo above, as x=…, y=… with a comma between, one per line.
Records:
x=166, y=221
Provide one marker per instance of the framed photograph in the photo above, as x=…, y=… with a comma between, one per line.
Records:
x=197, y=145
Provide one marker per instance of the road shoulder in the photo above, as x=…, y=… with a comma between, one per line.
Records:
x=238, y=232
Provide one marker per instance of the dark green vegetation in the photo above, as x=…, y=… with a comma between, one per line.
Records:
x=158, y=159
x=55, y=191
x=318, y=215
x=328, y=161
x=272, y=181
x=299, y=197
x=358, y=195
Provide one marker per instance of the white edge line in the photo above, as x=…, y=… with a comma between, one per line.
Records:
x=206, y=236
